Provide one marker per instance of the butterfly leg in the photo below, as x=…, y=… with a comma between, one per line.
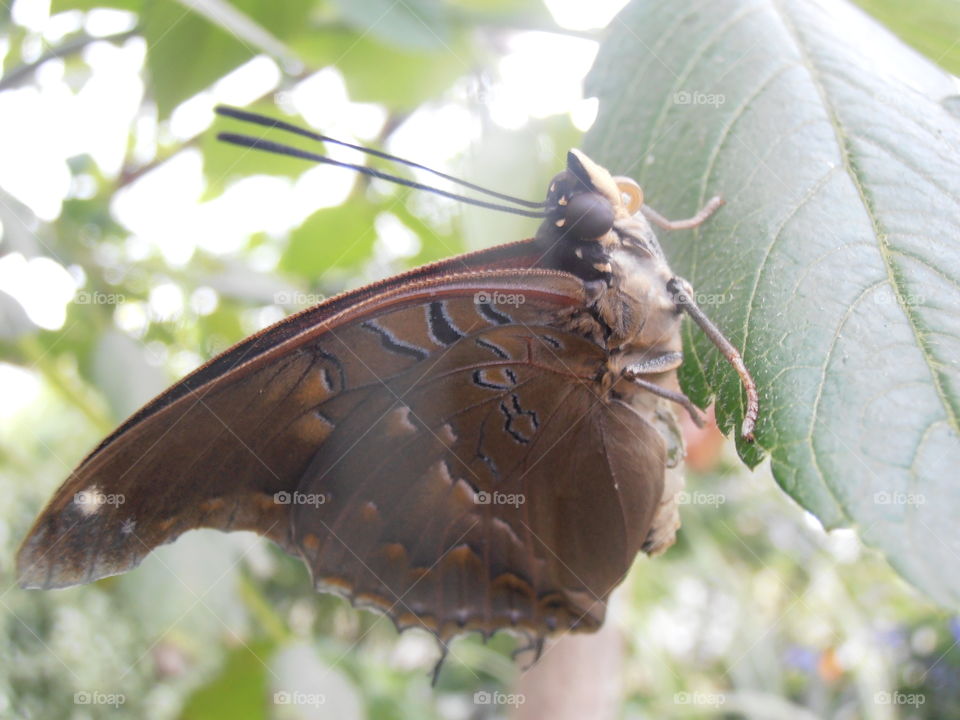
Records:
x=536, y=645
x=660, y=364
x=444, y=649
x=660, y=221
x=683, y=297
x=672, y=395
x=653, y=365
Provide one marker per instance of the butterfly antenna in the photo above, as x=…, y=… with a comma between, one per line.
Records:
x=254, y=143
x=683, y=297
x=257, y=119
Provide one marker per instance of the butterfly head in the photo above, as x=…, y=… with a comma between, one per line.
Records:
x=583, y=200
x=585, y=209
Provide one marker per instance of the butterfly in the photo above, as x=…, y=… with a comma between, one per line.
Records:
x=474, y=445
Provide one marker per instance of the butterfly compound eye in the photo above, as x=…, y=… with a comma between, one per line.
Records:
x=589, y=215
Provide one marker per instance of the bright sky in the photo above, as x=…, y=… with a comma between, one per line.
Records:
x=47, y=122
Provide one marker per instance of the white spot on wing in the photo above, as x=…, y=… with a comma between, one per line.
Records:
x=89, y=501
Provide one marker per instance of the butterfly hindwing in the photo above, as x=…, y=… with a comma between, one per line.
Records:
x=482, y=495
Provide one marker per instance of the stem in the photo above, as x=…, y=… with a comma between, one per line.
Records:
x=258, y=606
x=130, y=175
x=19, y=74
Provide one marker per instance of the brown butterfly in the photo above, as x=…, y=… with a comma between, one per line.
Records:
x=474, y=445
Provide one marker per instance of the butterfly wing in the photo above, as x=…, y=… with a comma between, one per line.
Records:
x=365, y=435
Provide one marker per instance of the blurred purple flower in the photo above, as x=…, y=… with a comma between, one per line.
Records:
x=802, y=658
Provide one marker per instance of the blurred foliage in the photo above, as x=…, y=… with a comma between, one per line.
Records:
x=930, y=26
x=756, y=604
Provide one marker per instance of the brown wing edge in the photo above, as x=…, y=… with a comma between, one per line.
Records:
x=35, y=566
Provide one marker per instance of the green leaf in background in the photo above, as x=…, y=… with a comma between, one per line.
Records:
x=416, y=24
x=400, y=78
x=239, y=692
x=121, y=369
x=170, y=28
x=176, y=75
x=835, y=263
x=509, y=7
x=930, y=26
x=336, y=237
x=13, y=318
x=434, y=244
x=57, y=6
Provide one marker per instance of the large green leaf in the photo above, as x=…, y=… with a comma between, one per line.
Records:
x=835, y=262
